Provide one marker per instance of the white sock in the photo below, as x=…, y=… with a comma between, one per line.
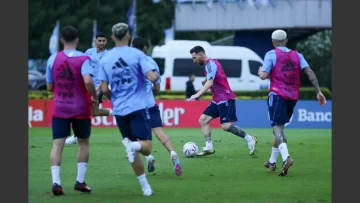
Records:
x=274, y=155
x=81, y=171
x=150, y=157
x=55, y=173
x=172, y=153
x=283, y=151
x=136, y=145
x=248, y=138
x=143, y=181
x=209, y=145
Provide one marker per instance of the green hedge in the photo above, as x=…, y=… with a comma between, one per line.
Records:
x=306, y=93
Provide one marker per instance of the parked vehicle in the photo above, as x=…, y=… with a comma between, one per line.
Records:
x=240, y=64
x=36, y=80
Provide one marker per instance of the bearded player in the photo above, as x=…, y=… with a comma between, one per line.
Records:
x=95, y=55
x=68, y=76
x=222, y=104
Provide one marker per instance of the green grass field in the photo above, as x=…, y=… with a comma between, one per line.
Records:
x=230, y=175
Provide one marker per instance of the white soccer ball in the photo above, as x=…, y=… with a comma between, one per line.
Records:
x=190, y=149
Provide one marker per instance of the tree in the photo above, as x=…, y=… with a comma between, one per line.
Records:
x=152, y=19
x=317, y=50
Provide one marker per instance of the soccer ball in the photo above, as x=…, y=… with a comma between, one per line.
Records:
x=190, y=149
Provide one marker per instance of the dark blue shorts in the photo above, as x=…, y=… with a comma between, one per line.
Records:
x=61, y=127
x=226, y=111
x=135, y=126
x=100, y=96
x=155, y=117
x=280, y=110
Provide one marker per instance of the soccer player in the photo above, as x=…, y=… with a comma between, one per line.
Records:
x=283, y=66
x=127, y=69
x=155, y=121
x=222, y=104
x=95, y=55
x=68, y=75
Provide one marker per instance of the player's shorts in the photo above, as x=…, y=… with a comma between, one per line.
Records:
x=280, y=110
x=100, y=96
x=135, y=126
x=61, y=127
x=226, y=111
x=155, y=117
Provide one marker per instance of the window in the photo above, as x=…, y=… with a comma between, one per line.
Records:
x=161, y=63
x=254, y=67
x=185, y=67
x=232, y=68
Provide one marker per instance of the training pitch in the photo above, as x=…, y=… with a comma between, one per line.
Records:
x=230, y=175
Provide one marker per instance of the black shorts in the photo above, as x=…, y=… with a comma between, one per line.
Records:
x=61, y=127
x=135, y=126
x=226, y=111
x=280, y=110
x=155, y=117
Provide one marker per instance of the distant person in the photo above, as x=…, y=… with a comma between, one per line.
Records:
x=68, y=75
x=283, y=66
x=190, y=88
x=222, y=104
x=127, y=70
x=95, y=55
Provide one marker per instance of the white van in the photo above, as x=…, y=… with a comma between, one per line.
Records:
x=240, y=64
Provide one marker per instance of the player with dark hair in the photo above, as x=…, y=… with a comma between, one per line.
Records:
x=127, y=70
x=95, y=55
x=68, y=75
x=222, y=104
x=155, y=117
x=283, y=66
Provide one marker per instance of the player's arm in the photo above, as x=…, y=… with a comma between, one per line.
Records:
x=211, y=69
x=86, y=71
x=148, y=68
x=48, y=74
x=309, y=72
x=267, y=66
x=104, y=85
x=156, y=87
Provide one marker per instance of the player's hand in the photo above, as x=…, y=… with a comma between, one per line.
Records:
x=321, y=98
x=203, y=82
x=193, y=97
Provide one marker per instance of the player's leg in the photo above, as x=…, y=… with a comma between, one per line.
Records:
x=157, y=128
x=165, y=140
x=282, y=143
x=136, y=131
x=271, y=163
x=60, y=130
x=227, y=113
x=82, y=128
x=100, y=111
x=278, y=109
x=211, y=112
